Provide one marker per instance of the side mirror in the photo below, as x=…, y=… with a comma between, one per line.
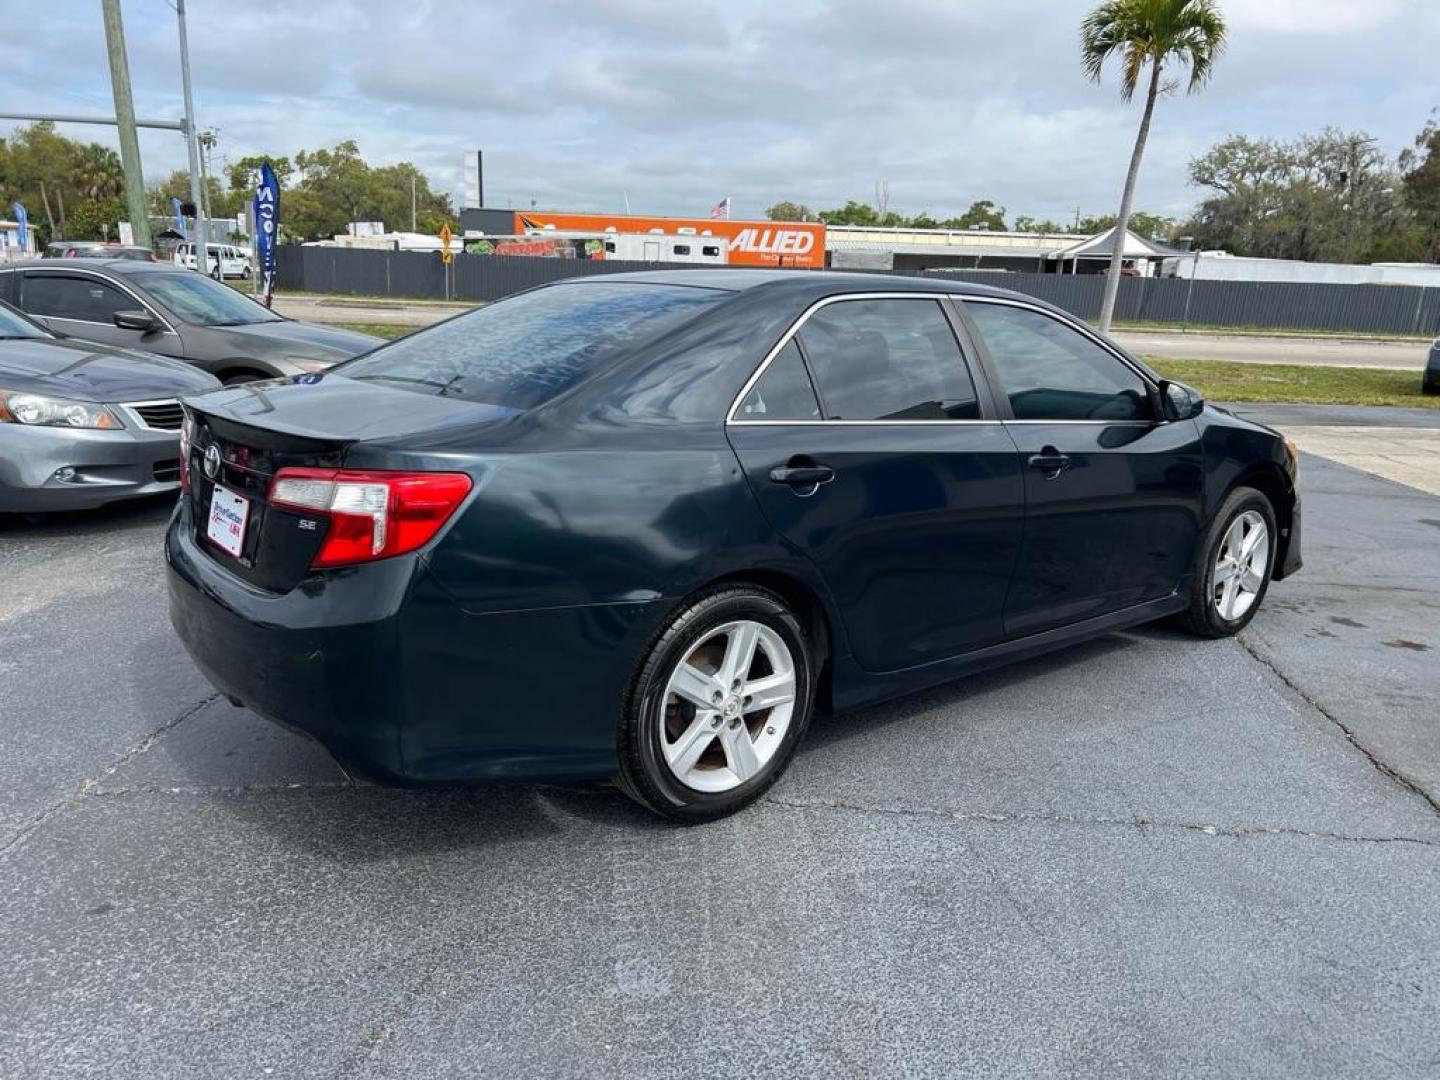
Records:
x=1180, y=402
x=135, y=320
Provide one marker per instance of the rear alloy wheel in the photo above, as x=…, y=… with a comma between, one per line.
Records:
x=1233, y=567
x=719, y=706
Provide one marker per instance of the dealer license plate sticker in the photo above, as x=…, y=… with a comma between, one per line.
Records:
x=228, y=514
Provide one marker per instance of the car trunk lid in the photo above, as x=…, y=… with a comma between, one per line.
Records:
x=244, y=435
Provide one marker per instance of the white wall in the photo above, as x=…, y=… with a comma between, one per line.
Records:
x=1213, y=267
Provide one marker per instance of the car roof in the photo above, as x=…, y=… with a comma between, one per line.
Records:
x=120, y=266
x=778, y=280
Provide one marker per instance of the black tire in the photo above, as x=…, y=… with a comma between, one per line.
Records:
x=239, y=377
x=644, y=774
x=1202, y=617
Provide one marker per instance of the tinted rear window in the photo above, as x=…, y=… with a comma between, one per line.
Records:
x=521, y=352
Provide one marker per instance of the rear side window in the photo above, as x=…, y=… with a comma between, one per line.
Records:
x=74, y=296
x=783, y=392
x=521, y=352
x=1051, y=371
x=888, y=360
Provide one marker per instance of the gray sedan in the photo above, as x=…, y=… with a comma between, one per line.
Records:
x=82, y=425
x=175, y=312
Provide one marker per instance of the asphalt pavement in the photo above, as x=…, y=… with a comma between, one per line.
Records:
x=1144, y=856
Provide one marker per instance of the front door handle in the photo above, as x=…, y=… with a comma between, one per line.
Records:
x=802, y=476
x=1050, y=461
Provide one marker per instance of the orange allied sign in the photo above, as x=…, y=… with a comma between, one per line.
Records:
x=445, y=253
x=752, y=243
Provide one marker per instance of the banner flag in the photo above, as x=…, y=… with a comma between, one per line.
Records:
x=22, y=234
x=267, y=228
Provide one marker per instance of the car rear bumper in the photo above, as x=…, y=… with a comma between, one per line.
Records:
x=108, y=466
x=384, y=669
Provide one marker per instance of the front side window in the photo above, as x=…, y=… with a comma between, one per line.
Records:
x=522, y=351
x=1050, y=371
x=74, y=296
x=783, y=392
x=888, y=360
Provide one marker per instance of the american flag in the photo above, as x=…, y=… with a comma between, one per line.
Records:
x=721, y=209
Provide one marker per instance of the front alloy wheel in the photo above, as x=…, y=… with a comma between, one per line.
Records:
x=1232, y=565
x=1241, y=565
x=719, y=705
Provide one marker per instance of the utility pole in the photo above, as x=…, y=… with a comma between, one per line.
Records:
x=207, y=141
x=125, y=117
x=192, y=145
x=412, y=201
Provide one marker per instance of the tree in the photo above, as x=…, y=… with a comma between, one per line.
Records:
x=1421, y=185
x=1330, y=197
x=244, y=175
x=790, y=211
x=1140, y=32
x=222, y=203
x=1150, y=226
x=983, y=214
x=852, y=213
x=71, y=189
x=1026, y=223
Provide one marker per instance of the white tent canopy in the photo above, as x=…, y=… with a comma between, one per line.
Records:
x=1098, y=247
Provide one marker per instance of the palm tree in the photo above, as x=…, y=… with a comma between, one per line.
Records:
x=1191, y=32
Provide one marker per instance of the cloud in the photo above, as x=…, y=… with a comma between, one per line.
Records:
x=1311, y=16
x=677, y=104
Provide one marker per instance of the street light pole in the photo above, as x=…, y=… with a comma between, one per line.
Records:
x=125, y=121
x=192, y=146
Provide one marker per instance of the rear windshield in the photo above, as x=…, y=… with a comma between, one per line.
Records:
x=521, y=352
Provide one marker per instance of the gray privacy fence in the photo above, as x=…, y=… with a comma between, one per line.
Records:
x=421, y=275
x=1394, y=309
x=1391, y=309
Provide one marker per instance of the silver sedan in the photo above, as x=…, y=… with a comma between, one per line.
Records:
x=83, y=424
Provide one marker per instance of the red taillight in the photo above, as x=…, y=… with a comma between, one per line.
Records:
x=372, y=515
x=187, y=433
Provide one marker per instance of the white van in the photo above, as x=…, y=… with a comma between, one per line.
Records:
x=234, y=262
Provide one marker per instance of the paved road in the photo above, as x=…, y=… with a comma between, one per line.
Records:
x=1145, y=856
x=1256, y=349
x=327, y=309
x=1398, y=444
x=1253, y=349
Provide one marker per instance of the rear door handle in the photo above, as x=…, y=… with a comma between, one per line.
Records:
x=1050, y=461
x=802, y=476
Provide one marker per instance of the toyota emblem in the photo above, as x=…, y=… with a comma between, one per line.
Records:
x=212, y=461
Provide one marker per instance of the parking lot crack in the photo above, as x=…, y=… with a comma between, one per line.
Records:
x=89, y=785
x=1006, y=817
x=1383, y=767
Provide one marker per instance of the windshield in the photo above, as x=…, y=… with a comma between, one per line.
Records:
x=203, y=301
x=521, y=352
x=15, y=325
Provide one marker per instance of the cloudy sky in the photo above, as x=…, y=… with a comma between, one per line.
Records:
x=680, y=102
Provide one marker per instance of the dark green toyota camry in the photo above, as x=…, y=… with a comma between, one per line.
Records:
x=644, y=527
